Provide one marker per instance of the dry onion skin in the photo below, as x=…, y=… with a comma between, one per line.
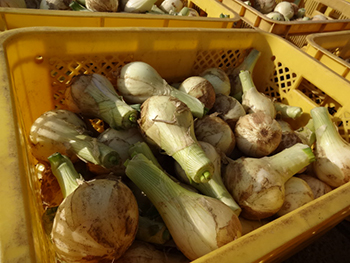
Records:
x=168, y=123
x=228, y=108
x=297, y=194
x=219, y=79
x=318, y=187
x=332, y=151
x=86, y=228
x=217, y=132
x=257, y=134
x=97, y=221
x=64, y=132
x=199, y=88
x=102, y=6
x=257, y=184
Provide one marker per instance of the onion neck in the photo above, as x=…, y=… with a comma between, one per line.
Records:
x=196, y=106
x=291, y=160
x=327, y=134
x=65, y=173
x=89, y=149
x=246, y=80
x=195, y=163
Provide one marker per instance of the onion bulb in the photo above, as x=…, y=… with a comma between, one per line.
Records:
x=171, y=6
x=264, y=6
x=318, y=187
x=168, y=123
x=228, y=108
x=219, y=79
x=55, y=4
x=94, y=96
x=142, y=252
x=121, y=141
x=217, y=132
x=64, y=132
x=137, y=81
x=297, y=194
x=96, y=221
x=102, y=6
x=257, y=134
x=287, y=9
x=137, y=6
x=186, y=214
x=289, y=137
x=257, y=184
x=199, y=88
x=276, y=16
x=319, y=17
x=332, y=151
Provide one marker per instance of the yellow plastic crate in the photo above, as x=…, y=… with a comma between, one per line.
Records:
x=37, y=64
x=210, y=11
x=331, y=49
x=338, y=12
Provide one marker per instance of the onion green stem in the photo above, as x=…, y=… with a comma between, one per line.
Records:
x=195, y=163
x=288, y=111
x=76, y=6
x=65, y=173
x=248, y=63
x=89, y=149
x=196, y=106
x=307, y=133
x=291, y=160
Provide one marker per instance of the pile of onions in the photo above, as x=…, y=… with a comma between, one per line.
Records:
x=195, y=165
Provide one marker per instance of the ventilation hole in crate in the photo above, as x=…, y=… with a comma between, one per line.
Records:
x=98, y=125
x=224, y=59
x=283, y=77
x=272, y=93
x=64, y=69
x=298, y=40
x=335, y=14
x=321, y=8
x=319, y=97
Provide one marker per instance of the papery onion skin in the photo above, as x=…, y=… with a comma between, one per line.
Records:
x=297, y=194
x=258, y=198
x=257, y=134
x=257, y=184
x=332, y=151
x=217, y=132
x=96, y=223
x=318, y=187
x=219, y=79
x=228, y=108
x=252, y=99
x=168, y=123
x=199, y=88
x=102, y=5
